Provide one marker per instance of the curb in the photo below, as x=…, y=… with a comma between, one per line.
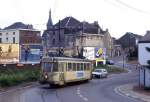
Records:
x=21, y=87
x=122, y=93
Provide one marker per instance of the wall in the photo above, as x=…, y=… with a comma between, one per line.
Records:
x=9, y=53
x=9, y=34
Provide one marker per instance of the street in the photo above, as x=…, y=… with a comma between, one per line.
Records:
x=96, y=90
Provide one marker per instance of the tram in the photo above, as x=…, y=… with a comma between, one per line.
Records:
x=62, y=70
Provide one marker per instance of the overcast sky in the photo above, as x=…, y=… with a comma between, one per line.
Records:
x=119, y=16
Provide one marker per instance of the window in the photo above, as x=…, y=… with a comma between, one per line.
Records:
x=78, y=67
x=55, y=67
x=13, y=39
x=74, y=66
x=87, y=66
x=69, y=67
x=13, y=33
x=53, y=41
x=82, y=66
x=7, y=39
x=0, y=40
x=53, y=33
x=46, y=67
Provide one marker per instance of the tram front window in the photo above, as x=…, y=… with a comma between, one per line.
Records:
x=47, y=67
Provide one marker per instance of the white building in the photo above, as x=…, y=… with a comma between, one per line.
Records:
x=144, y=57
x=9, y=36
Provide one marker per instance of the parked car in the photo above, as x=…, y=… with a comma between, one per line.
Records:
x=99, y=73
x=110, y=62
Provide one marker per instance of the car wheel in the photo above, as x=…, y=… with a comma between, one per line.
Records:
x=100, y=76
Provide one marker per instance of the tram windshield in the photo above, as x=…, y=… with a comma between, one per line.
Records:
x=47, y=67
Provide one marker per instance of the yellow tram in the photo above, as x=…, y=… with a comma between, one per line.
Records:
x=61, y=70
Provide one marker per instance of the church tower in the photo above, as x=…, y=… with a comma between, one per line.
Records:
x=49, y=23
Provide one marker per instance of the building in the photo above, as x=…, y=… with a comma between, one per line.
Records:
x=20, y=45
x=129, y=41
x=72, y=35
x=108, y=43
x=144, y=63
x=146, y=37
x=117, y=49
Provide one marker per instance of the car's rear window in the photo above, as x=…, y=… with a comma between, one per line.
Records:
x=98, y=71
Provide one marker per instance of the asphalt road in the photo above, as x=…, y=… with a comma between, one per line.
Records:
x=96, y=90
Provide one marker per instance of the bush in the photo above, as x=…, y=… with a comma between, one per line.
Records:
x=15, y=76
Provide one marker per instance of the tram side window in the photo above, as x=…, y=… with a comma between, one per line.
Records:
x=69, y=67
x=55, y=67
x=85, y=66
x=88, y=66
x=78, y=67
x=82, y=66
x=74, y=66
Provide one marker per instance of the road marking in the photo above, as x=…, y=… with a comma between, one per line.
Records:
x=85, y=99
x=123, y=94
x=80, y=95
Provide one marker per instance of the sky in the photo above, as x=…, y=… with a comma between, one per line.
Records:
x=119, y=16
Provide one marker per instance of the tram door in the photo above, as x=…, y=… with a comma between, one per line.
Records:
x=61, y=73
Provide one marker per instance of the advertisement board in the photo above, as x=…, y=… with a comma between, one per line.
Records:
x=88, y=53
x=30, y=53
x=9, y=53
x=100, y=53
x=94, y=53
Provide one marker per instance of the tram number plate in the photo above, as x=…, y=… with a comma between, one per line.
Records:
x=80, y=74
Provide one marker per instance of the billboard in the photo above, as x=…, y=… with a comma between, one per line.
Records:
x=9, y=53
x=89, y=53
x=100, y=53
x=30, y=53
x=94, y=53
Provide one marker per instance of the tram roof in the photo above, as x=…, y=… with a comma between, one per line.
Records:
x=63, y=59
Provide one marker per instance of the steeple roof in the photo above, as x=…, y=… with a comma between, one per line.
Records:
x=49, y=23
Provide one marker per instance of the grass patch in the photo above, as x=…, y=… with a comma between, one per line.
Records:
x=112, y=69
x=15, y=76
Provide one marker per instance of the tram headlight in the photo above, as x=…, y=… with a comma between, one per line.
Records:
x=46, y=76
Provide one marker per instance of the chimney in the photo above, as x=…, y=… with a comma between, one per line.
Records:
x=29, y=26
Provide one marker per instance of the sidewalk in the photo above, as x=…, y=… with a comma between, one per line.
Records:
x=133, y=91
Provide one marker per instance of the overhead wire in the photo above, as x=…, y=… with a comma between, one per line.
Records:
x=126, y=5
x=131, y=7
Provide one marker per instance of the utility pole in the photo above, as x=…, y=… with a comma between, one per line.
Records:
x=59, y=39
x=60, y=50
x=81, y=51
x=123, y=60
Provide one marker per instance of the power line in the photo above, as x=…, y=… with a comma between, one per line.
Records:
x=131, y=7
x=126, y=5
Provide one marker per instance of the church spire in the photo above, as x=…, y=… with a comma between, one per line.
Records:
x=49, y=23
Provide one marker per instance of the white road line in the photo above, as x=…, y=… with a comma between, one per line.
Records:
x=80, y=95
x=85, y=99
x=118, y=91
